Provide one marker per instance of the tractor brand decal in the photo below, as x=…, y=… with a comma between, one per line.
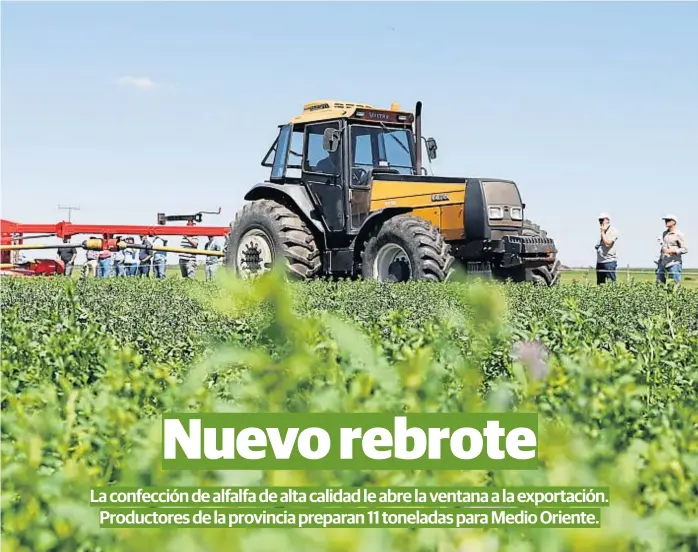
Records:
x=318, y=106
x=376, y=115
x=388, y=116
x=390, y=202
x=439, y=197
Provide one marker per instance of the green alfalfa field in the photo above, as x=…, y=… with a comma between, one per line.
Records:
x=585, y=275
x=88, y=366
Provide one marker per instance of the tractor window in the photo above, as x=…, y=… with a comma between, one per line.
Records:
x=363, y=154
x=295, y=154
x=279, y=168
x=397, y=149
x=382, y=147
x=318, y=160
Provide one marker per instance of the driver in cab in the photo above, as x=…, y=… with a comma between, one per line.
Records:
x=332, y=165
x=329, y=164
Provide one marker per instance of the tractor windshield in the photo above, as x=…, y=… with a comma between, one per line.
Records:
x=374, y=147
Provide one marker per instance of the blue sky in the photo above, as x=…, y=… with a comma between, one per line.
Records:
x=130, y=109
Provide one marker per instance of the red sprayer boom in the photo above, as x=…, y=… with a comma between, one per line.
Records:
x=14, y=234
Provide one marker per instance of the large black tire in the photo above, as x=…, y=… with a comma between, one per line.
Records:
x=549, y=274
x=422, y=245
x=288, y=238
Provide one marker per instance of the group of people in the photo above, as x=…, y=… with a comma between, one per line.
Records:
x=138, y=261
x=670, y=262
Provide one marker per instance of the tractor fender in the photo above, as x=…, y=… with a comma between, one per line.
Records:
x=375, y=219
x=295, y=197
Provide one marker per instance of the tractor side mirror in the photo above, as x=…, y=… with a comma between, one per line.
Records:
x=330, y=140
x=431, y=148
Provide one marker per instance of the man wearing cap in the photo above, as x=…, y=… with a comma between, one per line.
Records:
x=673, y=247
x=606, y=253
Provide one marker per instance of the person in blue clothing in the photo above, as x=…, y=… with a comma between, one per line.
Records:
x=104, y=264
x=118, y=260
x=674, y=247
x=130, y=259
x=145, y=257
x=212, y=263
x=160, y=259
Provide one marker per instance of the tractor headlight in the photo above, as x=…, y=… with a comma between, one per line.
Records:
x=516, y=213
x=496, y=212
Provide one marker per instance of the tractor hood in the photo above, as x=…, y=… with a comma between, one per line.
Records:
x=393, y=190
x=495, y=199
x=463, y=208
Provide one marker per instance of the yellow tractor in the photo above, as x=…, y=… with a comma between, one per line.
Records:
x=347, y=196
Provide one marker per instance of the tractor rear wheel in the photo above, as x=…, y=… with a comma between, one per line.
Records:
x=406, y=248
x=266, y=233
x=549, y=274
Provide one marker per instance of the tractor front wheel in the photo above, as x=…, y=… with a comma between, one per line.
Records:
x=549, y=274
x=406, y=248
x=266, y=233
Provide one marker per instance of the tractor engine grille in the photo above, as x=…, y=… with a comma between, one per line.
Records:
x=532, y=240
x=528, y=245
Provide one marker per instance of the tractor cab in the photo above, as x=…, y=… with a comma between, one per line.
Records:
x=330, y=136
x=336, y=150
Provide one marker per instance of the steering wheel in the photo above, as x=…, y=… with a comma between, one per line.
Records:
x=358, y=174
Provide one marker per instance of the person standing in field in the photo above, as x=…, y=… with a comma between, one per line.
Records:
x=187, y=261
x=130, y=259
x=67, y=255
x=212, y=262
x=674, y=246
x=160, y=260
x=90, y=267
x=145, y=256
x=119, y=257
x=104, y=266
x=606, y=252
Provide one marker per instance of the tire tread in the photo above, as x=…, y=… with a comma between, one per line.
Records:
x=435, y=258
x=302, y=256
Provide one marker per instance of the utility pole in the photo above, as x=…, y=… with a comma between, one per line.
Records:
x=70, y=210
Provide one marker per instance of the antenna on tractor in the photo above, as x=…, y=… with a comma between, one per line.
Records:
x=70, y=210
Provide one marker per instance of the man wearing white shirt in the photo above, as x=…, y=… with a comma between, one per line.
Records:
x=606, y=252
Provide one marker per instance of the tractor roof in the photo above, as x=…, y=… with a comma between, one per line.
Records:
x=323, y=110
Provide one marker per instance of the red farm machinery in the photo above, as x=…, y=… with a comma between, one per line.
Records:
x=16, y=237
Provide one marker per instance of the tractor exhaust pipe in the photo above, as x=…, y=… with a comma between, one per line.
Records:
x=418, y=138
